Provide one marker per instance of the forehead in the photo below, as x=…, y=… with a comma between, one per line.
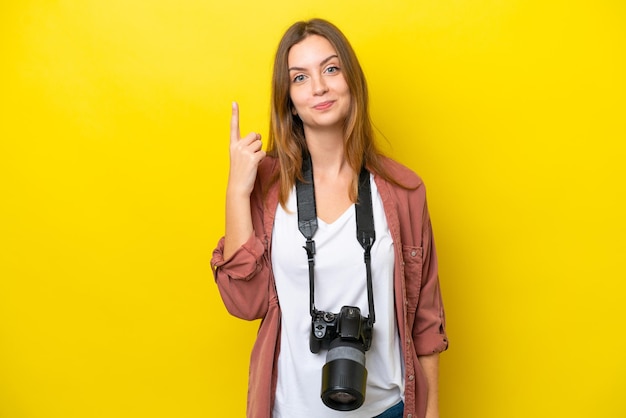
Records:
x=310, y=52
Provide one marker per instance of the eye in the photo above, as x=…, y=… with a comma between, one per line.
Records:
x=299, y=78
x=332, y=69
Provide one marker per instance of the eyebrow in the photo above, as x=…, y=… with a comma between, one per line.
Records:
x=321, y=64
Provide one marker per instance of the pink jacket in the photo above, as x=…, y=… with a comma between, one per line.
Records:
x=246, y=285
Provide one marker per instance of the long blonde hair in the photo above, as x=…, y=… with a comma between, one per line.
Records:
x=286, y=136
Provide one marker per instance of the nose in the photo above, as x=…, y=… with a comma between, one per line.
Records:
x=319, y=86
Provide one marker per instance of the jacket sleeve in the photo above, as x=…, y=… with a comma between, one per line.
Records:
x=429, y=327
x=242, y=280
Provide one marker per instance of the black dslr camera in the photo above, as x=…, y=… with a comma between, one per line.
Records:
x=347, y=336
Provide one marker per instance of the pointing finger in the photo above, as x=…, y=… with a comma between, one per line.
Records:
x=234, y=123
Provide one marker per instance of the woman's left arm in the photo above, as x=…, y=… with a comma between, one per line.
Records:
x=430, y=365
x=429, y=332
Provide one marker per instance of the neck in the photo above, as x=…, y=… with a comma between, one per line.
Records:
x=327, y=152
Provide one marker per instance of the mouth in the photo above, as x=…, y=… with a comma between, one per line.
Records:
x=324, y=105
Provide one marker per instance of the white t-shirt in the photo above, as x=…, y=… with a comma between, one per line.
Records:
x=340, y=280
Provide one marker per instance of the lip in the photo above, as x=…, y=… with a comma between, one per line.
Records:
x=324, y=105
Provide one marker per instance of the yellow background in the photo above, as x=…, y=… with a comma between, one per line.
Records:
x=113, y=163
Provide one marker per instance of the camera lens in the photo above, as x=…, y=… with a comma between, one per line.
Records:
x=342, y=397
x=344, y=376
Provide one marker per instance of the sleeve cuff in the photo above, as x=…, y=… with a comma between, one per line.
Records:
x=244, y=262
x=427, y=344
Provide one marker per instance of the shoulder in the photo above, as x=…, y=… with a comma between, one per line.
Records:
x=266, y=185
x=401, y=174
x=267, y=168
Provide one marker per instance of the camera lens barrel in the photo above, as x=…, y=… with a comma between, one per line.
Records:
x=346, y=352
x=344, y=376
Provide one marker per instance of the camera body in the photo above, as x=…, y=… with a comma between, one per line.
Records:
x=348, y=325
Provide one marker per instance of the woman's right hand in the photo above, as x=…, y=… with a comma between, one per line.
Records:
x=245, y=155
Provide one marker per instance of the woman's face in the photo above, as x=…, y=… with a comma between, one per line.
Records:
x=318, y=89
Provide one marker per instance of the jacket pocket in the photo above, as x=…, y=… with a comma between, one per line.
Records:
x=413, y=261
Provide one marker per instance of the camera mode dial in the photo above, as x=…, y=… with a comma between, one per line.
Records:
x=320, y=329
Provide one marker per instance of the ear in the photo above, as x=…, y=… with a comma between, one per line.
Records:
x=294, y=111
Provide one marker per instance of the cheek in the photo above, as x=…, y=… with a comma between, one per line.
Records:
x=343, y=89
x=298, y=103
x=296, y=98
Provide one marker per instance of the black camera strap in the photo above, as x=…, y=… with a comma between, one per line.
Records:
x=307, y=224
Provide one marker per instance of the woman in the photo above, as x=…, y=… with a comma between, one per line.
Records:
x=320, y=114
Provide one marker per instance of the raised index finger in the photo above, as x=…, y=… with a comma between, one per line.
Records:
x=234, y=124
